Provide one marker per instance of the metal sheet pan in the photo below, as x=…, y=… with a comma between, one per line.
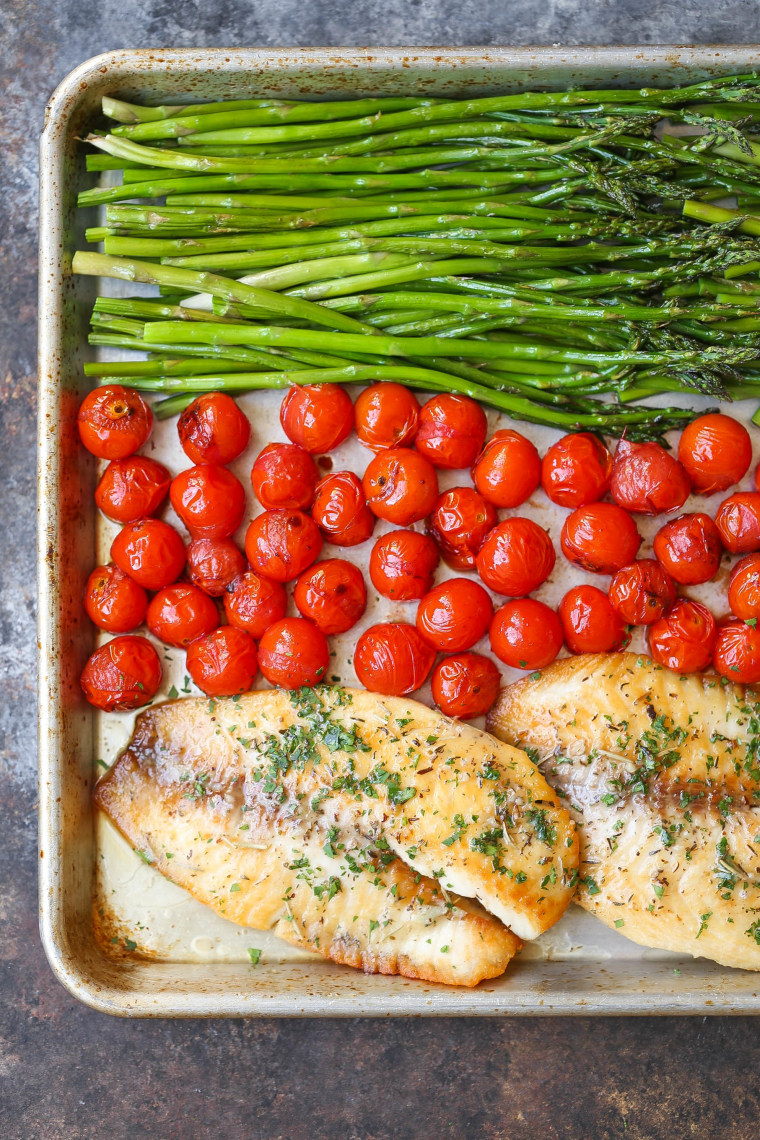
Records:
x=191, y=966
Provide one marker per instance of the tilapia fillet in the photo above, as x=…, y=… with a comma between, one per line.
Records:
x=662, y=774
x=370, y=829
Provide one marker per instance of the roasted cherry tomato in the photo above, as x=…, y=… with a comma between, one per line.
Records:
x=642, y=592
x=689, y=548
x=738, y=520
x=465, y=685
x=576, y=470
x=744, y=587
x=454, y=615
x=684, y=639
x=180, y=613
x=114, y=421
x=716, y=451
x=401, y=485
x=737, y=651
x=213, y=429
x=392, y=658
x=214, y=563
x=402, y=565
x=516, y=557
x=340, y=509
x=508, y=469
x=600, y=537
x=150, y=551
x=209, y=499
x=284, y=475
x=223, y=662
x=123, y=674
x=589, y=622
x=526, y=634
x=459, y=524
x=281, y=544
x=113, y=600
x=386, y=415
x=332, y=594
x=132, y=488
x=317, y=416
x=647, y=479
x=254, y=603
x=293, y=653
x=451, y=430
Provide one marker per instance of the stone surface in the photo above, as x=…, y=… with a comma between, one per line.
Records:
x=66, y=1072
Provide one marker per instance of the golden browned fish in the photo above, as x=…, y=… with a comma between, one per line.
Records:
x=368, y=828
x=662, y=773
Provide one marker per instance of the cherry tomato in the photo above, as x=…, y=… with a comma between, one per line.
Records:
x=465, y=685
x=576, y=470
x=600, y=537
x=646, y=479
x=317, y=416
x=332, y=594
x=340, y=509
x=684, y=639
x=284, y=475
x=738, y=520
x=180, y=613
x=526, y=634
x=254, y=603
x=293, y=653
x=124, y=674
x=744, y=587
x=508, y=469
x=132, y=488
x=213, y=429
x=223, y=662
x=516, y=557
x=589, y=622
x=454, y=615
x=737, y=651
x=642, y=592
x=459, y=524
x=150, y=551
x=451, y=430
x=689, y=548
x=402, y=565
x=209, y=499
x=392, y=658
x=386, y=415
x=213, y=563
x=281, y=544
x=716, y=451
x=113, y=600
x=114, y=421
x=401, y=485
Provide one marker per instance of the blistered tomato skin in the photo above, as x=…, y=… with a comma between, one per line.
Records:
x=642, y=592
x=294, y=653
x=124, y=674
x=454, y=615
x=648, y=480
x=459, y=525
x=526, y=634
x=318, y=417
x=402, y=565
x=214, y=563
x=576, y=470
x=737, y=651
x=213, y=429
x=340, y=509
x=716, y=451
x=738, y=521
x=508, y=469
x=744, y=587
x=451, y=431
x=254, y=603
x=332, y=594
x=224, y=662
x=284, y=475
x=209, y=499
x=600, y=537
x=401, y=486
x=689, y=548
x=132, y=488
x=386, y=415
x=281, y=544
x=465, y=685
x=180, y=613
x=114, y=421
x=150, y=551
x=516, y=557
x=114, y=601
x=684, y=639
x=590, y=623
x=392, y=658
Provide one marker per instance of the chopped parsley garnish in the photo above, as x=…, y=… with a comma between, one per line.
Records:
x=545, y=831
x=255, y=955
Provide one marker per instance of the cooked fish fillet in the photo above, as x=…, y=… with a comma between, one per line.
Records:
x=662, y=773
x=349, y=823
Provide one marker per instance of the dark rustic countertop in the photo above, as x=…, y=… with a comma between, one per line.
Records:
x=66, y=1072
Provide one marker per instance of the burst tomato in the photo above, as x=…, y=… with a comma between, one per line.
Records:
x=684, y=639
x=642, y=592
x=590, y=623
x=332, y=594
x=516, y=557
x=213, y=429
x=293, y=653
x=402, y=565
x=150, y=551
x=738, y=521
x=213, y=563
x=744, y=587
x=124, y=674
x=209, y=499
x=737, y=651
x=689, y=548
x=454, y=615
x=648, y=480
x=223, y=662
x=526, y=634
x=281, y=544
x=284, y=475
x=114, y=421
x=451, y=430
x=401, y=486
x=459, y=524
x=465, y=685
x=576, y=470
x=508, y=469
x=716, y=451
x=600, y=537
x=113, y=600
x=393, y=659
x=180, y=613
x=386, y=415
x=132, y=488
x=317, y=416
x=340, y=509
x=254, y=603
